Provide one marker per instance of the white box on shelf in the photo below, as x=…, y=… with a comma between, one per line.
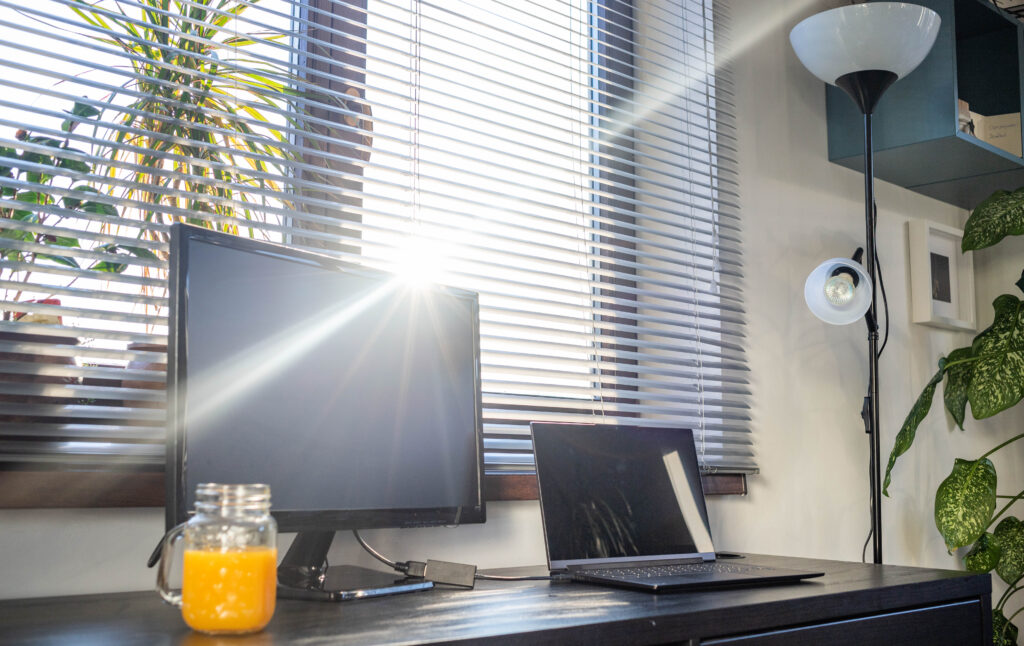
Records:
x=1000, y=130
x=963, y=117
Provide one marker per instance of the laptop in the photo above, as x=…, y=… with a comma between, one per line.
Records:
x=624, y=506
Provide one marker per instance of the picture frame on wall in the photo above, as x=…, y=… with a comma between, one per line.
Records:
x=941, y=277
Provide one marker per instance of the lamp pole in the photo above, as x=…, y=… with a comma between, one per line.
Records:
x=871, y=420
x=866, y=88
x=862, y=49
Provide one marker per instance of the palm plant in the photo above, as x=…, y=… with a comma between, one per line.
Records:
x=204, y=136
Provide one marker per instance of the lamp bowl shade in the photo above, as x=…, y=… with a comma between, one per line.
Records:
x=838, y=311
x=885, y=36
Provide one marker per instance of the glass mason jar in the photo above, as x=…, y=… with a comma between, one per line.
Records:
x=229, y=580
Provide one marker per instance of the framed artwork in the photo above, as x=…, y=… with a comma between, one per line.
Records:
x=941, y=277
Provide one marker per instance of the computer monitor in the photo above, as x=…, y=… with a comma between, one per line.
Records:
x=353, y=394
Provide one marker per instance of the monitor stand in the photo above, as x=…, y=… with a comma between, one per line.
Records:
x=303, y=574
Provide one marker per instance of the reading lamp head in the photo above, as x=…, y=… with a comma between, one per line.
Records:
x=838, y=291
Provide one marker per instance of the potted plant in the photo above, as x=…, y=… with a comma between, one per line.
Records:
x=53, y=187
x=195, y=137
x=200, y=139
x=988, y=375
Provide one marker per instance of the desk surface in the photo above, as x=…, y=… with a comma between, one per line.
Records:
x=523, y=612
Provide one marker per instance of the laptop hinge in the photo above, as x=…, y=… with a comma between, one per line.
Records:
x=641, y=563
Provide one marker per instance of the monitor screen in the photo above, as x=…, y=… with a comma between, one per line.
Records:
x=354, y=395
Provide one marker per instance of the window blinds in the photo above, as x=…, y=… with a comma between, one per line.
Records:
x=572, y=161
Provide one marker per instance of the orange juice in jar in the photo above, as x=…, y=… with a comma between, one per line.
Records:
x=229, y=591
x=229, y=582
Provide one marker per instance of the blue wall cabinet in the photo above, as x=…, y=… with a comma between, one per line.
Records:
x=977, y=57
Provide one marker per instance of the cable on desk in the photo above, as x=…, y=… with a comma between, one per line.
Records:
x=419, y=569
x=497, y=577
x=377, y=555
x=436, y=571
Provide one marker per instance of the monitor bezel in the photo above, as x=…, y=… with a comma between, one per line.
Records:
x=182, y=235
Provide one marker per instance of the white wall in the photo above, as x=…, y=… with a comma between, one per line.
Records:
x=68, y=551
x=808, y=378
x=811, y=498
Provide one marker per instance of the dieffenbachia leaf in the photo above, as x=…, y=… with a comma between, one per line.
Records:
x=71, y=202
x=958, y=378
x=84, y=110
x=1004, y=633
x=80, y=109
x=6, y=153
x=140, y=252
x=25, y=216
x=33, y=197
x=74, y=164
x=997, y=379
x=109, y=267
x=1009, y=534
x=1000, y=215
x=99, y=208
x=46, y=141
x=62, y=241
x=964, y=502
x=914, y=418
x=15, y=234
x=62, y=260
x=984, y=556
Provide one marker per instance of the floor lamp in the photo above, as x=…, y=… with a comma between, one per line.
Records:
x=863, y=49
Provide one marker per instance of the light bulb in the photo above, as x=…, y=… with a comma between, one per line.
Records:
x=839, y=289
x=834, y=295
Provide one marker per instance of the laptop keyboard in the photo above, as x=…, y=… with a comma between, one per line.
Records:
x=682, y=569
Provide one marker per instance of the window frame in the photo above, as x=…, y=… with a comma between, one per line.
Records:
x=43, y=488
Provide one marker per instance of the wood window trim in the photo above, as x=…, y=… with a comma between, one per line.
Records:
x=524, y=487
x=25, y=489
x=97, y=489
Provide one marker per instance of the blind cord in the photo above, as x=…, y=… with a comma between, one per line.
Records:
x=714, y=277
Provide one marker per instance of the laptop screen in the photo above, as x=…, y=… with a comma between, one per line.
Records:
x=615, y=494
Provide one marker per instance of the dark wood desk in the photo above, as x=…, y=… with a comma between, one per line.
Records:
x=852, y=604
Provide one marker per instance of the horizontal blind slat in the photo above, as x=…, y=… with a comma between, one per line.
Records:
x=86, y=432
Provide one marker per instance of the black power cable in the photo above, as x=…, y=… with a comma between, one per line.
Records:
x=377, y=555
x=419, y=568
x=881, y=283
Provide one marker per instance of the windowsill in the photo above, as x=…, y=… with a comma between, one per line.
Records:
x=78, y=489
x=524, y=487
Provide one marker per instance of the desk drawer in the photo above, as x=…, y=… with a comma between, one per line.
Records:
x=953, y=624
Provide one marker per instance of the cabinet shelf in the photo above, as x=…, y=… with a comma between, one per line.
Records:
x=917, y=142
